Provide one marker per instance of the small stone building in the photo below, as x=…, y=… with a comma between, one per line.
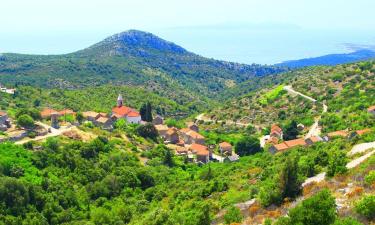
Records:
x=225, y=148
x=158, y=120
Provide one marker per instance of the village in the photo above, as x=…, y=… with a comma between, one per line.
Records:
x=186, y=142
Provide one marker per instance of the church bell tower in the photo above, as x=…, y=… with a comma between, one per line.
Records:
x=119, y=101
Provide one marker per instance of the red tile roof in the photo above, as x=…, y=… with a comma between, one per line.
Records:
x=225, y=145
x=125, y=111
x=275, y=127
x=133, y=114
x=361, y=132
x=342, y=133
x=122, y=110
x=199, y=149
x=172, y=131
x=2, y=113
x=290, y=144
x=273, y=140
x=295, y=142
x=67, y=112
x=191, y=133
x=47, y=112
x=371, y=108
x=281, y=146
x=315, y=139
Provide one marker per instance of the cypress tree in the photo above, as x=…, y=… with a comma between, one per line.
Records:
x=289, y=183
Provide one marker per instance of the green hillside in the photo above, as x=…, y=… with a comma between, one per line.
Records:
x=100, y=99
x=130, y=58
x=348, y=90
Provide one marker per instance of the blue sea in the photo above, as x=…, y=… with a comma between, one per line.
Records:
x=268, y=45
x=264, y=44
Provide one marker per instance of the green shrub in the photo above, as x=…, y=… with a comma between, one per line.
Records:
x=318, y=209
x=366, y=207
x=25, y=121
x=233, y=215
x=370, y=178
x=347, y=221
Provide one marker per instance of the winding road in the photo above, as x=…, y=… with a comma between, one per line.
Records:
x=54, y=132
x=315, y=130
x=359, y=148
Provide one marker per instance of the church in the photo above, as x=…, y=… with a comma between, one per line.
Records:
x=129, y=114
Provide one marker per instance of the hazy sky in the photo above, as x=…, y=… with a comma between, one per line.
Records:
x=61, y=26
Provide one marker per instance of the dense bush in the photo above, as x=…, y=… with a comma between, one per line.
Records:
x=366, y=207
x=247, y=146
x=25, y=121
x=318, y=209
x=233, y=215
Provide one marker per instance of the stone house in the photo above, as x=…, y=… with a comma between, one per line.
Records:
x=4, y=121
x=190, y=137
x=104, y=122
x=192, y=126
x=158, y=120
x=172, y=135
x=162, y=130
x=225, y=148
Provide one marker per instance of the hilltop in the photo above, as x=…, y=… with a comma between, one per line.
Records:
x=132, y=58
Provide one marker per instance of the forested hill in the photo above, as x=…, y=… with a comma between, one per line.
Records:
x=133, y=58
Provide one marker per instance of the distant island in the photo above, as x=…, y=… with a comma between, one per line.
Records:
x=331, y=59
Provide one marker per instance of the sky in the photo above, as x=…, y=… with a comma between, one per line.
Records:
x=201, y=26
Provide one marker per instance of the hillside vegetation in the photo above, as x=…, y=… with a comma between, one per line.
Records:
x=100, y=99
x=103, y=181
x=348, y=90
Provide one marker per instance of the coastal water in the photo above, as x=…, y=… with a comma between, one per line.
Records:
x=268, y=46
x=264, y=44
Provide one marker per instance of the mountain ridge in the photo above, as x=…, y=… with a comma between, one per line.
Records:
x=133, y=58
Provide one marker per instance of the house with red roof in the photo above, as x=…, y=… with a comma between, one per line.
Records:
x=276, y=131
x=201, y=152
x=66, y=112
x=286, y=145
x=47, y=112
x=313, y=139
x=123, y=112
x=359, y=132
x=339, y=133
